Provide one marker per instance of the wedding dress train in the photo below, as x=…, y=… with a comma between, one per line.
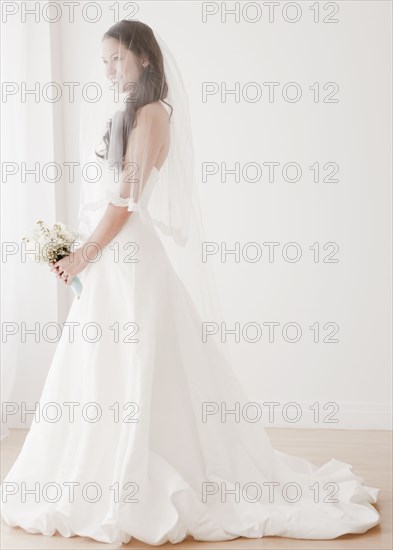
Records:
x=140, y=458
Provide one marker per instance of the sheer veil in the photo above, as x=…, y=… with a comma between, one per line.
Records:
x=167, y=199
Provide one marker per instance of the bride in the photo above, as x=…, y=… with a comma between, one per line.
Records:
x=126, y=440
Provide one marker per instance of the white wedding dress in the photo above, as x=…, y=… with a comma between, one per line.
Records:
x=150, y=467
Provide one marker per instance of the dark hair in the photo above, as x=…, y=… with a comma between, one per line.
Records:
x=152, y=86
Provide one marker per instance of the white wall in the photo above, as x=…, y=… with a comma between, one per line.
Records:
x=355, y=133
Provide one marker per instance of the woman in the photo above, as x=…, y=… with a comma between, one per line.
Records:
x=136, y=448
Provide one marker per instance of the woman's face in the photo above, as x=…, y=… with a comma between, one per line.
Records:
x=121, y=64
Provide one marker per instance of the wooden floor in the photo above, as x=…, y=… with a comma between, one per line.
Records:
x=369, y=452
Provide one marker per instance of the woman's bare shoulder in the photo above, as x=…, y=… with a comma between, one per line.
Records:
x=153, y=110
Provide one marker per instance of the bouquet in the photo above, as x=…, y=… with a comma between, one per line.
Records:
x=54, y=243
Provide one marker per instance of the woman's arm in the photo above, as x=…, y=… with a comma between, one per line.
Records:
x=107, y=228
x=144, y=145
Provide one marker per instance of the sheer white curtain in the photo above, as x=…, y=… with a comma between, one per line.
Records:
x=30, y=296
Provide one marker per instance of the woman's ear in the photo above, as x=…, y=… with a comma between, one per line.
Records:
x=144, y=63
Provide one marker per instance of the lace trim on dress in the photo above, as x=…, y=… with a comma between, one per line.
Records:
x=120, y=201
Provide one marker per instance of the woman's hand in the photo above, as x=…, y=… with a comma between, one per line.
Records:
x=69, y=266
